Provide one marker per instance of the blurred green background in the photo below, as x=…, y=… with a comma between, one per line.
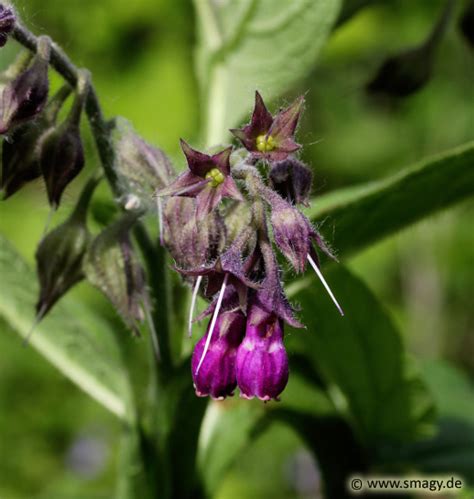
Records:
x=55, y=442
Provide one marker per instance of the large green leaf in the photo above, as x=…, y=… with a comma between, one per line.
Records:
x=359, y=216
x=362, y=358
x=248, y=45
x=72, y=337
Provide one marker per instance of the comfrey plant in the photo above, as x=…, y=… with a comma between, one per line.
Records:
x=212, y=245
x=242, y=206
x=223, y=220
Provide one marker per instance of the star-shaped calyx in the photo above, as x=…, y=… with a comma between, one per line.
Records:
x=271, y=137
x=208, y=179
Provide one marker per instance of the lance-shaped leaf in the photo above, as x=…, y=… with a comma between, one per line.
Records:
x=357, y=217
x=112, y=266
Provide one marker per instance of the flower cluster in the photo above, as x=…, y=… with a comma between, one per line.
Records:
x=225, y=218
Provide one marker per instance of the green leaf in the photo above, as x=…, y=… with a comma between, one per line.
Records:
x=227, y=429
x=248, y=45
x=360, y=216
x=451, y=449
x=362, y=358
x=334, y=446
x=72, y=337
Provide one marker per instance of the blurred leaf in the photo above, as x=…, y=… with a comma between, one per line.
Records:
x=227, y=429
x=248, y=45
x=451, y=451
x=362, y=357
x=362, y=215
x=451, y=389
x=334, y=446
x=73, y=338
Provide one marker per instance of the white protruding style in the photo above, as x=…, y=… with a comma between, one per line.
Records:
x=193, y=304
x=325, y=284
x=159, y=209
x=213, y=322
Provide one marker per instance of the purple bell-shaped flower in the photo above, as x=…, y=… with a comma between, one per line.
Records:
x=214, y=374
x=262, y=362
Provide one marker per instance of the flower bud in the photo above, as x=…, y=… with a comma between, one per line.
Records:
x=20, y=151
x=60, y=254
x=62, y=153
x=112, y=266
x=292, y=231
x=216, y=375
x=26, y=95
x=142, y=168
x=7, y=23
x=262, y=362
x=292, y=180
x=192, y=243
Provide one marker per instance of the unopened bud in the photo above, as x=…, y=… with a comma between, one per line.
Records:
x=292, y=180
x=26, y=95
x=21, y=150
x=60, y=254
x=112, y=266
x=141, y=168
x=62, y=153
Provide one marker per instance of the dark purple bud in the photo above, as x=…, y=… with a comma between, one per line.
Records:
x=271, y=137
x=292, y=180
x=208, y=179
x=216, y=374
x=60, y=254
x=262, y=362
x=62, y=153
x=111, y=266
x=26, y=95
x=466, y=23
x=142, y=169
x=20, y=151
x=7, y=23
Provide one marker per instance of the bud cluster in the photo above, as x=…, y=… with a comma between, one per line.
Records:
x=34, y=144
x=226, y=217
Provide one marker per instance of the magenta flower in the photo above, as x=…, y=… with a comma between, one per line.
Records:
x=216, y=375
x=7, y=23
x=262, y=362
x=271, y=137
x=208, y=180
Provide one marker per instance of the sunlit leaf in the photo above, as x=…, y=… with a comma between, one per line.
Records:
x=248, y=45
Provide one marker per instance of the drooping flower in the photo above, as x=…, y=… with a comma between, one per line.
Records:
x=216, y=375
x=208, y=180
x=271, y=137
x=262, y=362
x=294, y=235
